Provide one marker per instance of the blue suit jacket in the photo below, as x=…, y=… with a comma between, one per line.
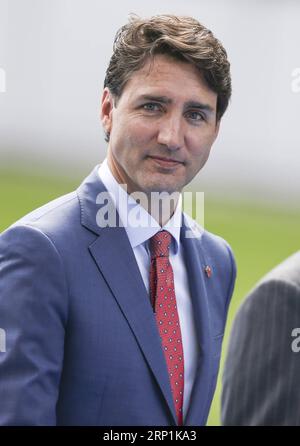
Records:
x=82, y=346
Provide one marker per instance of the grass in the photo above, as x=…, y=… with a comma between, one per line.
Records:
x=260, y=237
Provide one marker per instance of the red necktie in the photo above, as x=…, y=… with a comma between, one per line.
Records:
x=163, y=300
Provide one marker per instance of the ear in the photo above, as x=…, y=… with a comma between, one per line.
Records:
x=106, y=110
x=217, y=128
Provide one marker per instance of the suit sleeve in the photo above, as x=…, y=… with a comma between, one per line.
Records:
x=33, y=313
x=233, y=276
x=261, y=373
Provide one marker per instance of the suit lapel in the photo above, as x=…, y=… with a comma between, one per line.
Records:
x=112, y=253
x=195, y=264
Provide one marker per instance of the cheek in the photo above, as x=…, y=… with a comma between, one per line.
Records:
x=136, y=132
x=198, y=157
x=200, y=146
x=203, y=156
x=144, y=132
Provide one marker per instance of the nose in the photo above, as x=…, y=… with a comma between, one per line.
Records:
x=171, y=133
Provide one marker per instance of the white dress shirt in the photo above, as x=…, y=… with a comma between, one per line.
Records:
x=139, y=236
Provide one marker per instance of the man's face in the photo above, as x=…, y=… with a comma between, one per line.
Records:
x=163, y=126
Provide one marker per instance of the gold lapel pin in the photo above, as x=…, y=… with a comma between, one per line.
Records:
x=208, y=271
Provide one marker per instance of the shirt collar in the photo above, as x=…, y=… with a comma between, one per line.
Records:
x=132, y=212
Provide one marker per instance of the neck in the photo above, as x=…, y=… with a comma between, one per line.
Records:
x=162, y=206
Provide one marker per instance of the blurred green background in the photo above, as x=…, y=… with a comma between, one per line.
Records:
x=261, y=236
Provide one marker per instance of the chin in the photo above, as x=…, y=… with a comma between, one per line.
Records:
x=159, y=187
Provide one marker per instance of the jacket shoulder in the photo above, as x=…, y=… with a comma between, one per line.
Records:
x=53, y=218
x=52, y=209
x=212, y=244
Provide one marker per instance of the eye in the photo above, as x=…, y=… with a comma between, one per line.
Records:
x=151, y=106
x=196, y=116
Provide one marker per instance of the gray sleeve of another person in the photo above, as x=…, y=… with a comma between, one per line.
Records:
x=261, y=379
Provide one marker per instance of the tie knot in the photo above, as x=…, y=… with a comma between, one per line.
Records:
x=160, y=244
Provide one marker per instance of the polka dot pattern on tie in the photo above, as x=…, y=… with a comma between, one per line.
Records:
x=162, y=291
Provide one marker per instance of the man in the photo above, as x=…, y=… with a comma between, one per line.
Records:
x=261, y=375
x=107, y=321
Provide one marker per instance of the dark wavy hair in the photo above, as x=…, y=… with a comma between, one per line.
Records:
x=180, y=37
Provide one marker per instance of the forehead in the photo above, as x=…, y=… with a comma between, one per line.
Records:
x=171, y=77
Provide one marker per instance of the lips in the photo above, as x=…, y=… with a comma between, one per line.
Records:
x=166, y=162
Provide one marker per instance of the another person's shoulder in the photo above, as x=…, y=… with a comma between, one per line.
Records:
x=284, y=276
x=286, y=271
x=279, y=286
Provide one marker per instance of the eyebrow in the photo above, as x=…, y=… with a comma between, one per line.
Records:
x=189, y=104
